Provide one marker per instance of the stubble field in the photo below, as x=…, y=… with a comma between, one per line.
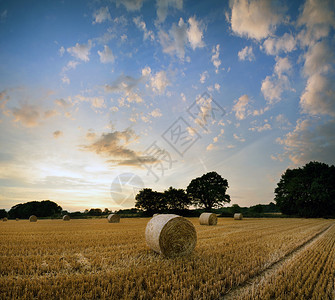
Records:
x=94, y=259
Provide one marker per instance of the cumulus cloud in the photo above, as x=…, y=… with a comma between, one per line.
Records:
x=310, y=140
x=106, y=56
x=273, y=86
x=179, y=36
x=254, y=19
x=318, y=17
x=61, y=51
x=264, y=127
x=240, y=107
x=147, y=34
x=130, y=5
x=159, y=82
x=156, y=113
x=163, y=7
x=127, y=86
x=238, y=138
x=56, y=134
x=96, y=102
x=246, y=54
x=63, y=103
x=194, y=34
x=101, y=15
x=215, y=58
x=4, y=98
x=27, y=115
x=81, y=51
x=115, y=147
x=319, y=94
x=273, y=46
x=204, y=76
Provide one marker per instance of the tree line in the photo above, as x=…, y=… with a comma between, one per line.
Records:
x=207, y=191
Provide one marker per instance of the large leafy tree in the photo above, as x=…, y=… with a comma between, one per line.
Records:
x=308, y=191
x=150, y=200
x=176, y=198
x=208, y=191
x=45, y=208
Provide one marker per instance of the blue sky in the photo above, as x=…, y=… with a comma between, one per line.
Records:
x=101, y=98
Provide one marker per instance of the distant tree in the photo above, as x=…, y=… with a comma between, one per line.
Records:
x=3, y=213
x=257, y=208
x=106, y=211
x=208, y=191
x=176, y=198
x=308, y=191
x=235, y=208
x=150, y=200
x=95, y=212
x=45, y=208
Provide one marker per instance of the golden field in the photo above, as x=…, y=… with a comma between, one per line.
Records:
x=94, y=259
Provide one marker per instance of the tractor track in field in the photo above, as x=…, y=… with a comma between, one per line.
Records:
x=272, y=268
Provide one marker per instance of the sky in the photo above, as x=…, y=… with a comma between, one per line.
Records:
x=99, y=99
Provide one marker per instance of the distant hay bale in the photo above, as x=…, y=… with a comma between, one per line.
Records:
x=17, y=219
x=66, y=218
x=113, y=218
x=32, y=218
x=4, y=219
x=238, y=216
x=208, y=219
x=171, y=235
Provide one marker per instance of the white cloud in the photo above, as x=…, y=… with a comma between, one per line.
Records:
x=179, y=36
x=204, y=76
x=183, y=97
x=61, y=51
x=156, y=113
x=310, y=141
x=319, y=94
x=210, y=147
x=130, y=5
x=273, y=86
x=81, y=51
x=106, y=56
x=254, y=19
x=101, y=15
x=273, y=46
x=163, y=7
x=238, y=138
x=147, y=34
x=240, y=107
x=159, y=82
x=217, y=86
x=194, y=34
x=215, y=58
x=266, y=126
x=246, y=54
x=318, y=17
x=96, y=102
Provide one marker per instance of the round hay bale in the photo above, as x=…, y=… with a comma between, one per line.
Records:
x=17, y=219
x=113, y=218
x=208, y=219
x=4, y=219
x=32, y=218
x=66, y=218
x=238, y=216
x=155, y=215
x=171, y=235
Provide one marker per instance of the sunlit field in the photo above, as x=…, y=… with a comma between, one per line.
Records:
x=87, y=259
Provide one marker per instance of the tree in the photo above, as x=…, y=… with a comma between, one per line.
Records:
x=150, y=200
x=208, y=191
x=176, y=198
x=45, y=208
x=308, y=191
x=3, y=213
x=95, y=212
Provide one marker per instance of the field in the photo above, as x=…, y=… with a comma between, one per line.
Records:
x=90, y=259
